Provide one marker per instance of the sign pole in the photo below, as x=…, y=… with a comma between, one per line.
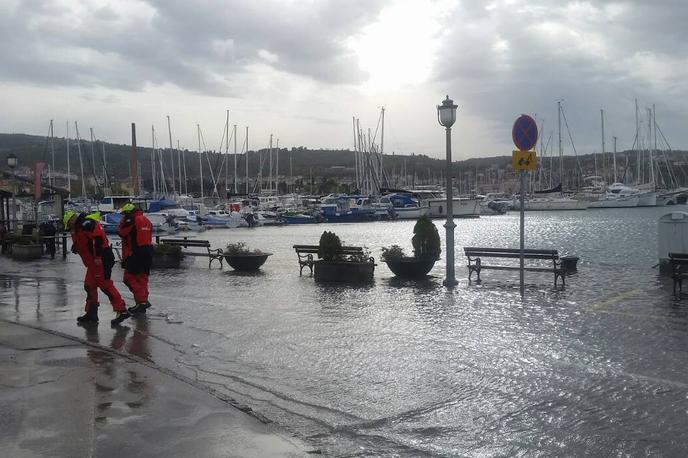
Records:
x=522, y=229
x=524, y=134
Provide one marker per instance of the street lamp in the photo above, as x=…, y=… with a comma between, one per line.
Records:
x=12, y=163
x=446, y=116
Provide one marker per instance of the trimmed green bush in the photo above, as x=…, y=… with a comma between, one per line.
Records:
x=426, y=239
x=330, y=247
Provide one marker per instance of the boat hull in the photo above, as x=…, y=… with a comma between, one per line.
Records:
x=461, y=208
x=552, y=205
x=411, y=212
x=622, y=202
x=647, y=199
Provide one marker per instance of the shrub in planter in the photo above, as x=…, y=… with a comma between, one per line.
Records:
x=426, y=239
x=25, y=247
x=167, y=255
x=240, y=257
x=334, y=266
x=392, y=253
x=330, y=247
x=426, y=250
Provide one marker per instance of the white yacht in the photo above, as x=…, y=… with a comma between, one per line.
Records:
x=551, y=204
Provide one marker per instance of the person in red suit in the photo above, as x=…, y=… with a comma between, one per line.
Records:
x=136, y=232
x=91, y=244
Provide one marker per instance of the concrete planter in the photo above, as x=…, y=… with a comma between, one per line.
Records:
x=165, y=257
x=25, y=252
x=410, y=267
x=246, y=262
x=569, y=263
x=344, y=271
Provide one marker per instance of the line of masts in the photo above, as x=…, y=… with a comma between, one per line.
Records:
x=369, y=171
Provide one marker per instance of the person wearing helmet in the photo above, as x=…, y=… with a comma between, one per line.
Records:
x=91, y=244
x=136, y=232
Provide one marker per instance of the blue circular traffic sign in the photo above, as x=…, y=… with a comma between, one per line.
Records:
x=524, y=133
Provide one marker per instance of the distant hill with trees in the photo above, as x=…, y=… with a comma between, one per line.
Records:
x=307, y=164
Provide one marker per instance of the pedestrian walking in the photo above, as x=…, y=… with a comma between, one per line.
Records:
x=136, y=232
x=92, y=245
x=48, y=230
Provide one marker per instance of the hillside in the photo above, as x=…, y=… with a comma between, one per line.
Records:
x=322, y=165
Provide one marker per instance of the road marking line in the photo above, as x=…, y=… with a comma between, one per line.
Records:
x=600, y=306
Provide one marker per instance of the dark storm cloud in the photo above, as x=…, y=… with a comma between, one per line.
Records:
x=510, y=58
x=198, y=46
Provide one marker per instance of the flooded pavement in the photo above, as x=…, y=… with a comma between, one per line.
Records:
x=409, y=368
x=64, y=397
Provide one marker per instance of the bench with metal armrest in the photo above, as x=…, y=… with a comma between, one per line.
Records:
x=212, y=254
x=476, y=255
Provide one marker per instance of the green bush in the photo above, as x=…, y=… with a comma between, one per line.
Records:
x=426, y=239
x=392, y=253
x=330, y=247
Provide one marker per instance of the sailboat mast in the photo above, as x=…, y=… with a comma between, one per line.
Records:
x=226, y=154
x=353, y=118
x=561, y=151
x=649, y=147
x=270, y=172
x=69, y=168
x=153, y=172
x=236, y=190
x=247, y=160
x=93, y=160
x=106, y=182
x=614, y=160
x=382, y=149
x=277, y=168
x=637, y=140
x=603, y=153
x=169, y=133
x=183, y=156
x=200, y=156
x=51, y=180
x=81, y=161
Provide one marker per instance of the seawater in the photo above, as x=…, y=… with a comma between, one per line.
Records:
x=409, y=368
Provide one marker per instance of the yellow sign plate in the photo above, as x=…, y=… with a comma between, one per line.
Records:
x=524, y=160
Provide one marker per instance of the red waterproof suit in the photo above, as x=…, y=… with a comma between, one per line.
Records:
x=91, y=244
x=137, y=252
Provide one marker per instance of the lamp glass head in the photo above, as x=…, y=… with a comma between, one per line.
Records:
x=446, y=113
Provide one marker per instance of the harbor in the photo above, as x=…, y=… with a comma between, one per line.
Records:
x=345, y=229
x=409, y=367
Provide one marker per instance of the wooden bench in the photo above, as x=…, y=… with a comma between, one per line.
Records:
x=212, y=254
x=476, y=254
x=678, y=262
x=306, y=259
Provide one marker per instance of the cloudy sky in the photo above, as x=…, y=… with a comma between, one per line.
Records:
x=302, y=68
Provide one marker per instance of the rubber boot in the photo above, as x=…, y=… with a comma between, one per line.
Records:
x=140, y=308
x=119, y=317
x=90, y=317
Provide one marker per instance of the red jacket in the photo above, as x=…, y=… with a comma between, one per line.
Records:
x=89, y=240
x=136, y=232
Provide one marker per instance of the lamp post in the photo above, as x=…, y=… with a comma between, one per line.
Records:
x=12, y=163
x=446, y=115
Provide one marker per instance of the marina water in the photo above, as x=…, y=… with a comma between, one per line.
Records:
x=409, y=368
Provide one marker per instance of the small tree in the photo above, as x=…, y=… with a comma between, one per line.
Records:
x=426, y=239
x=330, y=247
